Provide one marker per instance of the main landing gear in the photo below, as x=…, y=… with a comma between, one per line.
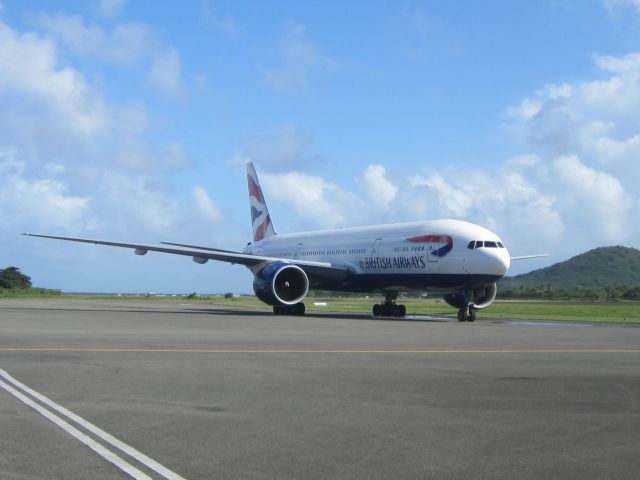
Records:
x=389, y=308
x=467, y=314
x=297, y=309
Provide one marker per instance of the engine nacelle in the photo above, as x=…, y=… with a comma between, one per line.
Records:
x=481, y=297
x=281, y=283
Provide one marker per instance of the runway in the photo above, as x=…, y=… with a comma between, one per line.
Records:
x=198, y=391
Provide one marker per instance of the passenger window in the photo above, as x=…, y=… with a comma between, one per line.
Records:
x=490, y=244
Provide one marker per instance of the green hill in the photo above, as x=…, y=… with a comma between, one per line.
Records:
x=600, y=268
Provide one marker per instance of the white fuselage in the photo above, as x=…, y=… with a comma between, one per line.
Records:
x=432, y=255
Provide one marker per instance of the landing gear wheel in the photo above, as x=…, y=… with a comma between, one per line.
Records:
x=389, y=307
x=472, y=315
x=389, y=310
x=464, y=316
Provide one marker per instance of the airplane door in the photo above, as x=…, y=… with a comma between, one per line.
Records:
x=375, y=248
x=296, y=252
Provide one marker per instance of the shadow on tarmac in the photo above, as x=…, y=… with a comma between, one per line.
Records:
x=225, y=311
x=320, y=315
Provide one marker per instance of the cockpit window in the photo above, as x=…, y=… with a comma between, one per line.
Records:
x=473, y=244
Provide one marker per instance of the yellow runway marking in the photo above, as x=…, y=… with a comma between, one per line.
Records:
x=285, y=350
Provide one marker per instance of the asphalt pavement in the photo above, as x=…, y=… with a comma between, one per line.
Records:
x=167, y=389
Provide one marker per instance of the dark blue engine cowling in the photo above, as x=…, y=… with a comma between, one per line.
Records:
x=281, y=283
x=480, y=297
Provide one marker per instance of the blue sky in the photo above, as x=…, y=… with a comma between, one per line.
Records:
x=133, y=120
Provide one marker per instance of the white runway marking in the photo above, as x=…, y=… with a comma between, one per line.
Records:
x=88, y=441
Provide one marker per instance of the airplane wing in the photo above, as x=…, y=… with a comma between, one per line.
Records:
x=199, y=254
x=197, y=247
x=524, y=257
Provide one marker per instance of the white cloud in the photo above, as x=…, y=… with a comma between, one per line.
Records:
x=527, y=109
x=301, y=60
x=597, y=120
x=320, y=203
x=165, y=72
x=49, y=111
x=134, y=204
x=32, y=80
x=613, y=5
x=379, y=189
x=26, y=200
x=513, y=200
x=625, y=64
x=450, y=199
x=127, y=43
x=111, y=8
x=204, y=205
x=594, y=198
x=77, y=161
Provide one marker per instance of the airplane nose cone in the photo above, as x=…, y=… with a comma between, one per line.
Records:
x=499, y=262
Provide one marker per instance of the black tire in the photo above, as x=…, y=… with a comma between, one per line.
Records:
x=299, y=309
x=472, y=315
x=461, y=316
x=277, y=310
x=377, y=310
x=402, y=311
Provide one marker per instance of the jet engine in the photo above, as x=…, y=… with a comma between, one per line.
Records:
x=481, y=297
x=281, y=283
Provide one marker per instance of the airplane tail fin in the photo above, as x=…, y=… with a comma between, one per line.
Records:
x=260, y=218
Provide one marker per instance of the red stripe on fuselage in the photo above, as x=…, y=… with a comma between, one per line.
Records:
x=431, y=239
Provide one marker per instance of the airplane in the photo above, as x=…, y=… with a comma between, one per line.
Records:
x=457, y=259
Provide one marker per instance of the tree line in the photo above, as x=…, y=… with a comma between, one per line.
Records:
x=12, y=279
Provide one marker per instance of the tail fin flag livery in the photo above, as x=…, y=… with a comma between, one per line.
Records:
x=459, y=260
x=260, y=218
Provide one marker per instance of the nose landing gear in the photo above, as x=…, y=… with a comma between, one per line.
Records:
x=467, y=314
x=389, y=308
